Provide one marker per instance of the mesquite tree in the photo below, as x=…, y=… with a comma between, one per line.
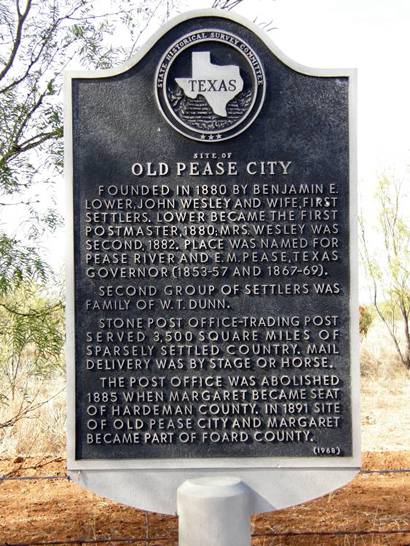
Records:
x=388, y=267
x=38, y=39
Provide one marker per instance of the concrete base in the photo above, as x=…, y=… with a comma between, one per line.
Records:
x=214, y=511
x=272, y=488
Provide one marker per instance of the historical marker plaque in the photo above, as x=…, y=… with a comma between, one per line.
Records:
x=213, y=281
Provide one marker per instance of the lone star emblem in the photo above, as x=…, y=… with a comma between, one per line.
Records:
x=203, y=96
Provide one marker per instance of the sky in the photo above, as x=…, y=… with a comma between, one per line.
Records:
x=370, y=35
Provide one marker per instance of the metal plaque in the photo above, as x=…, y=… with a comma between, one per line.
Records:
x=212, y=309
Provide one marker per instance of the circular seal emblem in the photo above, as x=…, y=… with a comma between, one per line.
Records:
x=210, y=85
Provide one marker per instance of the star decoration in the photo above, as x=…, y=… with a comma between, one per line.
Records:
x=211, y=137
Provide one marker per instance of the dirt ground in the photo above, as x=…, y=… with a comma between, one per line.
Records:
x=373, y=510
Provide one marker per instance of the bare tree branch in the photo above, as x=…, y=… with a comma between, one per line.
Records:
x=24, y=411
x=226, y=4
x=143, y=28
x=389, y=271
x=32, y=313
x=367, y=261
x=17, y=41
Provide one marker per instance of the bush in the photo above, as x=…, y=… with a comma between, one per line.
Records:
x=365, y=319
x=31, y=341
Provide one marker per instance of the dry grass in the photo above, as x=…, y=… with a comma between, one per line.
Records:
x=385, y=395
x=367, y=512
x=41, y=432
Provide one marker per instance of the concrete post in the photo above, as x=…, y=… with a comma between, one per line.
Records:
x=214, y=511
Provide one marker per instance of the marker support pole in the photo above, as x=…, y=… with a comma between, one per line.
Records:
x=214, y=511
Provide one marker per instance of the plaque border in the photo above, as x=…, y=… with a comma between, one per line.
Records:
x=180, y=466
